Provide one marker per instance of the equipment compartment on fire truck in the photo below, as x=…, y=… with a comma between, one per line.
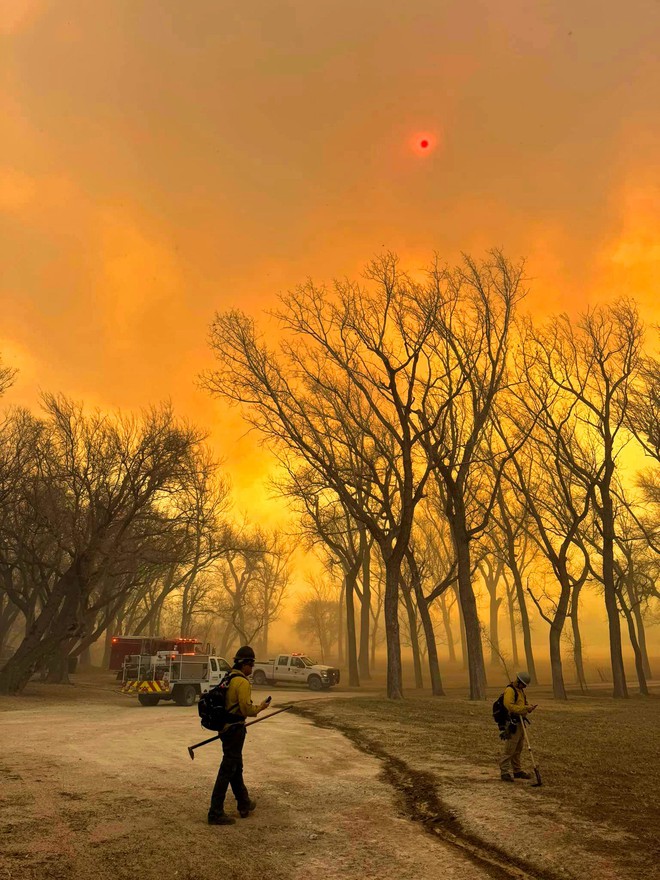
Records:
x=122, y=646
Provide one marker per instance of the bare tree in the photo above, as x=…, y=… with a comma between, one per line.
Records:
x=510, y=533
x=326, y=521
x=318, y=614
x=97, y=493
x=592, y=365
x=556, y=497
x=351, y=366
x=643, y=410
x=7, y=376
x=253, y=575
x=470, y=345
x=492, y=568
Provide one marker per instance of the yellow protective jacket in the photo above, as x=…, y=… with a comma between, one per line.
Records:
x=515, y=701
x=239, y=696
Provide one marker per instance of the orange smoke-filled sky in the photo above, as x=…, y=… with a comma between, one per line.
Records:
x=161, y=160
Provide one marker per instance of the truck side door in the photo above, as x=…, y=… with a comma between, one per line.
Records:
x=214, y=672
x=282, y=670
x=298, y=671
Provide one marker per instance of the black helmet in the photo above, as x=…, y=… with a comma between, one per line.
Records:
x=244, y=653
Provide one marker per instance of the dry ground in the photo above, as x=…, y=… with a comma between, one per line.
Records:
x=94, y=786
x=598, y=812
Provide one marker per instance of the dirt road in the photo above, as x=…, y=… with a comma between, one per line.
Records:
x=94, y=786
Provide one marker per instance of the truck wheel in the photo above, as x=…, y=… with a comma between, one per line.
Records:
x=314, y=683
x=259, y=677
x=148, y=699
x=185, y=696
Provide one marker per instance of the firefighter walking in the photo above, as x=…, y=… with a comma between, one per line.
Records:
x=515, y=703
x=239, y=703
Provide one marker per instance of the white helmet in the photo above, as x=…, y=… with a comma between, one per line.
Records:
x=524, y=678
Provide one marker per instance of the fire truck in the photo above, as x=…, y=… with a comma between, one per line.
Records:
x=122, y=646
x=170, y=675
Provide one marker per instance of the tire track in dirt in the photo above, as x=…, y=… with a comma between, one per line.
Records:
x=421, y=802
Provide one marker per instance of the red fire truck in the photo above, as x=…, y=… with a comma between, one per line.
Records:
x=122, y=646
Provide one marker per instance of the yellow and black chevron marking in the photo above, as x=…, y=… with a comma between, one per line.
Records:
x=145, y=687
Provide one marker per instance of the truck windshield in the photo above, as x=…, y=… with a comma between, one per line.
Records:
x=306, y=661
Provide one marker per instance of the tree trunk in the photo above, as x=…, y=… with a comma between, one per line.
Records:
x=429, y=633
x=512, y=625
x=8, y=615
x=57, y=622
x=641, y=637
x=340, y=630
x=85, y=658
x=577, y=639
x=475, y=654
x=446, y=622
x=431, y=648
x=491, y=575
x=351, y=643
x=620, y=690
x=264, y=637
x=374, y=632
x=58, y=667
x=107, y=645
x=365, y=607
x=558, y=688
x=639, y=663
x=556, y=629
x=394, y=678
x=414, y=641
x=526, y=628
x=461, y=627
x=494, y=633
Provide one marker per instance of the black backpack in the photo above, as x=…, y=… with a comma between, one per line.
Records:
x=212, y=706
x=500, y=713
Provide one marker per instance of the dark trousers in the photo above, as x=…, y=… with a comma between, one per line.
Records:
x=231, y=771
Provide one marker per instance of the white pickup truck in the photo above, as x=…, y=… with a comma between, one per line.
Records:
x=296, y=668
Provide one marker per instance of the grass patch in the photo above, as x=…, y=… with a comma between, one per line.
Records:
x=598, y=756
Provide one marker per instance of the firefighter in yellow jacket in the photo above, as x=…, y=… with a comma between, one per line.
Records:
x=515, y=702
x=238, y=702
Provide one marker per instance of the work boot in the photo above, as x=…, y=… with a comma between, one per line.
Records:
x=245, y=809
x=520, y=774
x=220, y=819
x=506, y=777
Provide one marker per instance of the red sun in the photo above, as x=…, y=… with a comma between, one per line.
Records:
x=423, y=143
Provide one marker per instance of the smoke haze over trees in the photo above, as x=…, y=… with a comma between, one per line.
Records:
x=457, y=469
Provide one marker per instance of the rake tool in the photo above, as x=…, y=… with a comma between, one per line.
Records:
x=537, y=772
x=204, y=742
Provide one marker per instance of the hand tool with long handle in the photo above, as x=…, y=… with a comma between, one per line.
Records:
x=537, y=772
x=191, y=749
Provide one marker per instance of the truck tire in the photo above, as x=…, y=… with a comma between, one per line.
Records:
x=148, y=699
x=259, y=677
x=185, y=695
x=314, y=683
